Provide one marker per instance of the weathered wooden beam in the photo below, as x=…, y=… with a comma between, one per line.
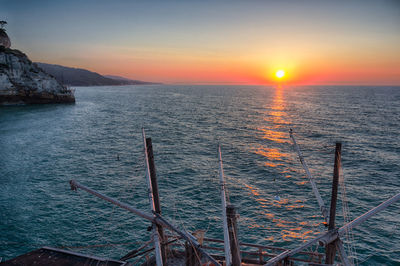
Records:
x=330, y=250
x=156, y=237
x=190, y=253
x=156, y=196
x=233, y=234
x=335, y=183
x=227, y=241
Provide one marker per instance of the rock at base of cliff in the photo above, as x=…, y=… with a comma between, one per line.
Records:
x=38, y=98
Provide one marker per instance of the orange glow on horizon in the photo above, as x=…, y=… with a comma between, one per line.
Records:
x=186, y=67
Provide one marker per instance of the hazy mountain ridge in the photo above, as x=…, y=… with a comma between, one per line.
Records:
x=130, y=81
x=83, y=77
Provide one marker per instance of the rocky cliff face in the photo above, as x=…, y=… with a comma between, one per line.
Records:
x=22, y=82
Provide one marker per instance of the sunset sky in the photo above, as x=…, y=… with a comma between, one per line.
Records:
x=243, y=42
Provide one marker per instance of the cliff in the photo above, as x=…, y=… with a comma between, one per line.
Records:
x=4, y=39
x=23, y=82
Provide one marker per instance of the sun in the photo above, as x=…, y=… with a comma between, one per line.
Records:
x=280, y=74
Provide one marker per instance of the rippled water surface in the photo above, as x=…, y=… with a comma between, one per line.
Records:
x=43, y=147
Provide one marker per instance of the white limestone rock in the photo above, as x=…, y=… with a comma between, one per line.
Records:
x=21, y=81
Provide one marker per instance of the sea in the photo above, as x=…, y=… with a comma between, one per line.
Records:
x=98, y=142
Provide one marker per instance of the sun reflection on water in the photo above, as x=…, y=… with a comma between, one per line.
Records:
x=274, y=131
x=287, y=229
x=276, y=120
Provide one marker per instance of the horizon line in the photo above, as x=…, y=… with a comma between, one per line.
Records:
x=275, y=84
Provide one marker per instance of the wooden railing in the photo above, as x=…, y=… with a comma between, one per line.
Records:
x=256, y=254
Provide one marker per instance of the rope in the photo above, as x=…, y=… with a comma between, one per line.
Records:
x=101, y=232
x=395, y=226
x=193, y=247
x=90, y=218
x=347, y=218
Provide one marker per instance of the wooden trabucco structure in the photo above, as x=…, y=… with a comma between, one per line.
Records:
x=198, y=250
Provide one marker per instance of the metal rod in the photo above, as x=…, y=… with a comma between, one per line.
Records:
x=156, y=237
x=228, y=253
x=157, y=219
x=313, y=185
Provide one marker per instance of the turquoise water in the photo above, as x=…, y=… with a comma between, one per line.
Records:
x=43, y=147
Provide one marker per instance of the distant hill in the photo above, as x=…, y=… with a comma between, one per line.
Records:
x=116, y=77
x=130, y=81
x=82, y=77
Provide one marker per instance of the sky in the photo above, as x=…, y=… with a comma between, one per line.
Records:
x=214, y=42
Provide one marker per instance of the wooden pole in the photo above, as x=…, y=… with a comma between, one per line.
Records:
x=156, y=237
x=157, y=204
x=191, y=258
x=227, y=247
x=233, y=235
x=343, y=255
x=330, y=251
